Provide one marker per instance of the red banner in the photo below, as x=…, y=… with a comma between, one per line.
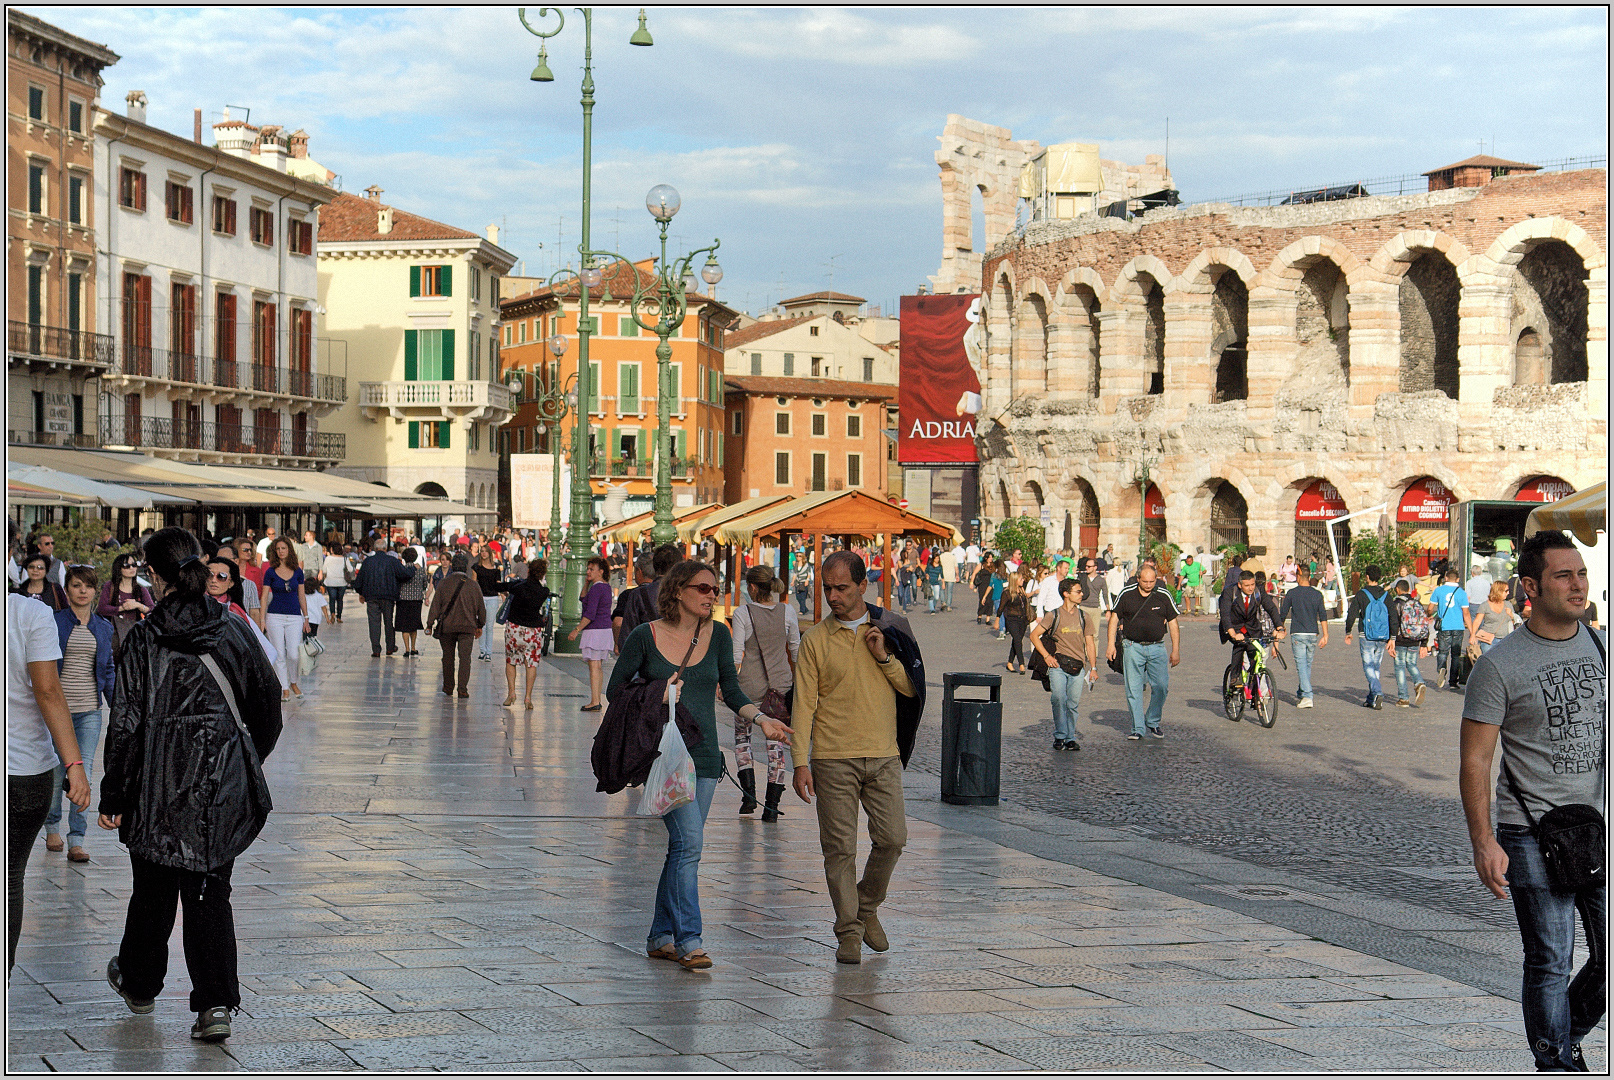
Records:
x=938, y=394
x=1544, y=489
x=1425, y=502
x=1154, y=505
x=1320, y=502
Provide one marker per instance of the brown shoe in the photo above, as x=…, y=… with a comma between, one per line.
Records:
x=666, y=952
x=1417, y=695
x=53, y=842
x=77, y=854
x=850, y=950
x=695, y=960
x=873, y=933
x=465, y=693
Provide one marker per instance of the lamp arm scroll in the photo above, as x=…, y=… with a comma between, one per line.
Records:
x=543, y=13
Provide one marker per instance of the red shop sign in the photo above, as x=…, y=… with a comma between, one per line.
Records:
x=1426, y=502
x=1320, y=502
x=1544, y=489
x=1154, y=506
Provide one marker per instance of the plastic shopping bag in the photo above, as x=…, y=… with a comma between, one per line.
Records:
x=672, y=775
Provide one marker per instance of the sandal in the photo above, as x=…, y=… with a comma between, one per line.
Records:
x=53, y=842
x=527, y=702
x=510, y=700
x=666, y=952
x=696, y=960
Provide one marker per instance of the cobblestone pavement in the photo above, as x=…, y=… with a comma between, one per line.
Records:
x=440, y=888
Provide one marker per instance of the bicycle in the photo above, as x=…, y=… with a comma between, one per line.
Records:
x=1249, y=683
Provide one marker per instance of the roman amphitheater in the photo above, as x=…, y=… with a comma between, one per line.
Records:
x=1281, y=365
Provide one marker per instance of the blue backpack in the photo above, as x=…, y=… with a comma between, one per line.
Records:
x=1376, y=617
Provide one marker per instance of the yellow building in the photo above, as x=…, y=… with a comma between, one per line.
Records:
x=622, y=397
x=416, y=303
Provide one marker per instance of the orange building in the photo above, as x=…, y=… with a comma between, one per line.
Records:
x=794, y=436
x=621, y=390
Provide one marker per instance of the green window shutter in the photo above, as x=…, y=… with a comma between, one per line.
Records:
x=411, y=356
x=594, y=388
x=678, y=445
x=414, y=281
x=627, y=327
x=414, y=434
x=616, y=444
x=627, y=380
x=448, y=353
x=443, y=429
x=720, y=449
x=447, y=280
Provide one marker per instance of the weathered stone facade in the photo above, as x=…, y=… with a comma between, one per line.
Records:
x=1457, y=334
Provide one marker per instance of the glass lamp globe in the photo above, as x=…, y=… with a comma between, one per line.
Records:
x=662, y=202
x=689, y=281
x=711, y=273
x=557, y=345
x=592, y=277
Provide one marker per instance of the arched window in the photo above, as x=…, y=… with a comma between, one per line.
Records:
x=1323, y=323
x=1154, y=335
x=1230, y=333
x=1429, y=295
x=1229, y=517
x=1550, y=286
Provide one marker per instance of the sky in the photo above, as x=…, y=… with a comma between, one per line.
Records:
x=804, y=139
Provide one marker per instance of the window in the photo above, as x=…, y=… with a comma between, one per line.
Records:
x=132, y=189
x=429, y=434
x=177, y=198
x=756, y=363
x=868, y=369
x=476, y=283
x=781, y=468
x=262, y=227
x=75, y=116
x=223, y=215
x=590, y=324
x=431, y=281
x=812, y=331
x=474, y=442
x=509, y=331
x=264, y=328
x=302, y=345
x=75, y=299
x=36, y=189
x=737, y=427
x=594, y=388
x=818, y=365
x=717, y=386
x=36, y=294
x=224, y=331
x=781, y=423
x=820, y=466
x=522, y=326
x=674, y=388
x=854, y=427
x=790, y=364
x=75, y=199
x=627, y=389
x=820, y=424
x=36, y=103
x=474, y=356
x=428, y=355
x=854, y=470
x=182, y=323
x=300, y=237
x=494, y=288
x=626, y=327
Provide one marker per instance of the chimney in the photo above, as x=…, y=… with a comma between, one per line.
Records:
x=373, y=193
x=137, y=105
x=493, y=235
x=198, y=135
x=383, y=223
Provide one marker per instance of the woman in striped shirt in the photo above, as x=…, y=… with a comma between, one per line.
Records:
x=86, y=674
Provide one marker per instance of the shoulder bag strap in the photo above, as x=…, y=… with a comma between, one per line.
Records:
x=212, y=666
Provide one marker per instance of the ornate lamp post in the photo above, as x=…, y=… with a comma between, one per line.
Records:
x=582, y=515
x=1141, y=478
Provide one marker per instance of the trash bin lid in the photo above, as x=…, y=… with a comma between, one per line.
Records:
x=971, y=678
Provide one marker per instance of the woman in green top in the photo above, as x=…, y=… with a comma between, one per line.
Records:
x=654, y=650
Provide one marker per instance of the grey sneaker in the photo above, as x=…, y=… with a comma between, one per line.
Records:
x=212, y=1025
x=114, y=979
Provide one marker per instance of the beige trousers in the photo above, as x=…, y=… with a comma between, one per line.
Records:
x=840, y=785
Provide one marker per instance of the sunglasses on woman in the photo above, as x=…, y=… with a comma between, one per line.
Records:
x=703, y=588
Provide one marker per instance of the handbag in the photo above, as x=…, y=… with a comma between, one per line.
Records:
x=503, y=614
x=1118, y=664
x=773, y=704
x=313, y=646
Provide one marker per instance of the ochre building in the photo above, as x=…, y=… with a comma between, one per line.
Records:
x=1280, y=366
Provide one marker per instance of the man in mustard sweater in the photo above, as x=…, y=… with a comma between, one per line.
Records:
x=845, y=746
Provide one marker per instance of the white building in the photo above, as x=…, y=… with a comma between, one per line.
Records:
x=207, y=281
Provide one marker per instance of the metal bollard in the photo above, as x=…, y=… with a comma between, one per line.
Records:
x=972, y=740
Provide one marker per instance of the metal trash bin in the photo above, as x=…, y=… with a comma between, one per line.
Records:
x=972, y=740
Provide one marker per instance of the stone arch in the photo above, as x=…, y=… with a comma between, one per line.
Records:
x=1530, y=365
x=1198, y=278
x=1087, y=515
x=1143, y=285
x=433, y=489
x=1395, y=255
x=1428, y=296
x=1571, y=473
x=1549, y=287
x=1516, y=242
x=1079, y=300
x=1230, y=337
x=1028, y=371
x=1434, y=466
x=1288, y=265
x=1007, y=505
x=1127, y=289
x=1309, y=539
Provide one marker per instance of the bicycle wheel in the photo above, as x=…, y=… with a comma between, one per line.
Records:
x=1232, y=693
x=1265, y=700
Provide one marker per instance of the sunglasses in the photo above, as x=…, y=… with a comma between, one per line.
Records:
x=222, y=575
x=703, y=588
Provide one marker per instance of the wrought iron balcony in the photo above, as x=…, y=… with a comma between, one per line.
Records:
x=468, y=399
x=51, y=438
x=163, y=433
x=167, y=366
x=601, y=468
x=53, y=345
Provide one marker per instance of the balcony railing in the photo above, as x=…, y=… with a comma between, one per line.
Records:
x=162, y=433
x=602, y=468
x=431, y=394
x=55, y=343
x=165, y=365
x=51, y=438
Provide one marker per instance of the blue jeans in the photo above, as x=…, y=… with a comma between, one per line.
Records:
x=1304, y=646
x=1406, y=669
x=1149, y=662
x=947, y=595
x=935, y=594
x=801, y=600
x=1372, y=657
x=1558, y=1011
x=87, y=727
x=1066, y=691
x=678, y=902
x=1447, y=645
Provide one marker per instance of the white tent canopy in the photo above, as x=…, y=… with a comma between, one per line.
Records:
x=86, y=492
x=1585, y=513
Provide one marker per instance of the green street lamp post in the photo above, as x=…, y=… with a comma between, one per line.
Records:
x=552, y=404
x=580, y=538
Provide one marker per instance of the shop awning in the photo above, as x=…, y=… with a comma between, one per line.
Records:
x=18, y=494
x=629, y=529
x=692, y=532
x=83, y=491
x=834, y=513
x=1424, y=539
x=1584, y=513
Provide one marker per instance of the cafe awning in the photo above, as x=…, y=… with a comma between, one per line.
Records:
x=696, y=530
x=1584, y=513
x=82, y=491
x=833, y=513
x=629, y=529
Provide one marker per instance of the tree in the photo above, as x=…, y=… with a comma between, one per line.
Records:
x=1023, y=533
x=1388, y=553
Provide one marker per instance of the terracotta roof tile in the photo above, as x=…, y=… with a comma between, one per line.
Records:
x=771, y=386
x=1484, y=161
x=350, y=218
x=757, y=331
x=837, y=297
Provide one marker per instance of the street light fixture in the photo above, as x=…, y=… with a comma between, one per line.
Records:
x=580, y=539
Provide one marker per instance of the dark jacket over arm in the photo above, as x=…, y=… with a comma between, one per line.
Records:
x=900, y=643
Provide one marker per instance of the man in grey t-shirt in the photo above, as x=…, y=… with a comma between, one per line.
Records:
x=1543, y=691
x=1308, y=629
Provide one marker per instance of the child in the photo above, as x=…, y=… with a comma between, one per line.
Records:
x=317, y=604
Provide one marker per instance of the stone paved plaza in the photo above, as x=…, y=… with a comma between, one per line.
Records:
x=440, y=888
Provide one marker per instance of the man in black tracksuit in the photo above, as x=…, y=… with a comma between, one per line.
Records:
x=377, y=585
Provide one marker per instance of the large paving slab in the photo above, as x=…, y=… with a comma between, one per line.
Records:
x=441, y=887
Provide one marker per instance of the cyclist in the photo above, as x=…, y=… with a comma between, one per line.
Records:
x=1248, y=615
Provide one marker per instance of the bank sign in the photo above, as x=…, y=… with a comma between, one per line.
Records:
x=938, y=393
